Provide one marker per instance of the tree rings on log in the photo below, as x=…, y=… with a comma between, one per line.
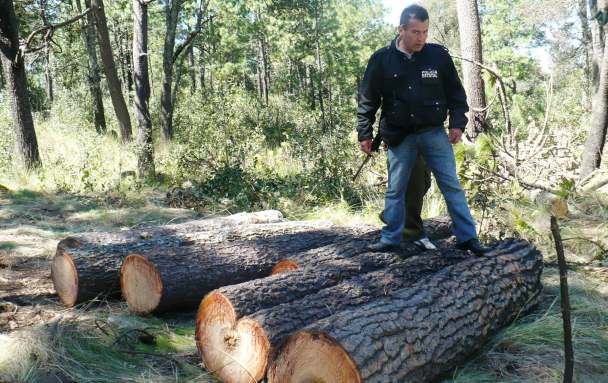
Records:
x=284, y=266
x=145, y=288
x=231, y=345
x=315, y=357
x=65, y=279
x=417, y=333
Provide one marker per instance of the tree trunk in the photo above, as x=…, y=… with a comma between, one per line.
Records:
x=201, y=63
x=48, y=76
x=265, y=67
x=417, y=333
x=177, y=278
x=14, y=72
x=470, y=48
x=118, y=101
x=597, y=44
x=172, y=10
x=191, y=69
x=1, y=77
x=87, y=31
x=123, y=61
x=145, y=157
x=596, y=138
x=70, y=269
x=293, y=300
x=319, y=75
x=587, y=38
x=179, y=70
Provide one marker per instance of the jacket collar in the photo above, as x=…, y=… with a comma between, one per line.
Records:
x=394, y=49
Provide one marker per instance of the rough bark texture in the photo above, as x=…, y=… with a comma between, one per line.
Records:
x=145, y=157
x=182, y=276
x=109, y=67
x=321, y=267
x=172, y=10
x=182, y=231
x=420, y=332
x=87, y=32
x=596, y=138
x=87, y=265
x=288, y=302
x=248, y=297
x=191, y=69
x=14, y=72
x=597, y=43
x=470, y=47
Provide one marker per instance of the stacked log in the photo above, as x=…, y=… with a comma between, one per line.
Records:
x=87, y=265
x=178, y=278
x=418, y=333
x=237, y=327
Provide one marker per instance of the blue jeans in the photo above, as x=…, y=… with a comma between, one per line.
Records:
x=439, y=156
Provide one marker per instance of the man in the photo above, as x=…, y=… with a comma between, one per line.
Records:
x=417, y=84
x=418, y=185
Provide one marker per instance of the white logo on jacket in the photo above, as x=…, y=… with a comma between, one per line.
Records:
x=430, y=73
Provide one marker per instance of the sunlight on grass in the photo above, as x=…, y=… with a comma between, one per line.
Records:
x=531, y=350
x=98, y=347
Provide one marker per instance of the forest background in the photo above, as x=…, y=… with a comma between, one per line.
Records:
x=242, y=105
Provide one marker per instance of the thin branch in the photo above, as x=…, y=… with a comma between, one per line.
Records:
x=502, y=94
x=48, y=30
x=522, y=182
x=180, y=48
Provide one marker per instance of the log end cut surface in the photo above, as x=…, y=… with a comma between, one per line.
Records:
x=284, y=266
x=313, y=357
x=141, y=284
x=236, y=351
x=65, y=278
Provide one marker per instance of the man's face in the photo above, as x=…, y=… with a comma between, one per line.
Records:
x=414, y=35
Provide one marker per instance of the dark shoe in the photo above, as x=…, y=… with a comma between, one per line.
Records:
x=382, y=247
x=473, y=246
x=425, y=244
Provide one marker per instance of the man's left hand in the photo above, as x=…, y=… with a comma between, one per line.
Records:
x=455, y=135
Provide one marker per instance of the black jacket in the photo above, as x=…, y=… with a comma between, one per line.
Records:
x=414, y=93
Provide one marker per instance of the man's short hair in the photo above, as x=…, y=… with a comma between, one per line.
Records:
x=414, y=11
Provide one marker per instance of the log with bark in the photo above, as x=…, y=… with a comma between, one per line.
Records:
x=87, y=265
x=238, y=326
x=163, y=231
x=436, y=228
x=177, y=279
x=417, y=333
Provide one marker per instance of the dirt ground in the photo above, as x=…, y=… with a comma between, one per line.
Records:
x=31, y=225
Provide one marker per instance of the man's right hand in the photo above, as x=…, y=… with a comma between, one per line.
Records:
x=366, y=146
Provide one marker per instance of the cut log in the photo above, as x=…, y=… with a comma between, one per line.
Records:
x=88, y=266
x=438, y=228
x=417, y=333
x=326, y=267
x=234, y=348
x=180, y=230
x=178, y=278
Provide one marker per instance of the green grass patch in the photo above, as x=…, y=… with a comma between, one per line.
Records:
x=531, y=349
x=105, y=348
x=8, y=245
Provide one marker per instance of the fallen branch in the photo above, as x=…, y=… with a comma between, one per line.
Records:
x=565, y=302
